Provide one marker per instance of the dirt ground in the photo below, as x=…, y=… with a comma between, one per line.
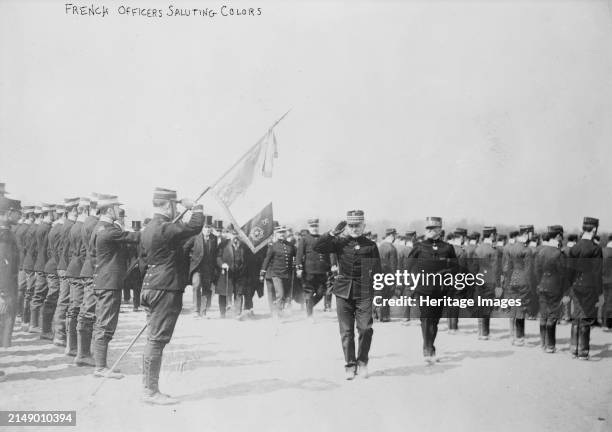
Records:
x=284, y=375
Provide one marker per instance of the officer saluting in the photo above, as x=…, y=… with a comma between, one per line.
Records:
x=358, y=261
x=109, y=258
x=164, y=282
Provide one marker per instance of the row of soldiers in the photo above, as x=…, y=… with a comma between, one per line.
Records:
x=555, y=279
x=73, y=260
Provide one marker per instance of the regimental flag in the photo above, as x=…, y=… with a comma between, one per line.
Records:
x=244, y=193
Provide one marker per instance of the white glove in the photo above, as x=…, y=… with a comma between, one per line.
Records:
x=224, y=266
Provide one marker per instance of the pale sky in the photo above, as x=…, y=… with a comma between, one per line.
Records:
x=494, y=111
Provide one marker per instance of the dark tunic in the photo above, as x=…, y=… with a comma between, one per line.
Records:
x=584, y=266
x=358, y=261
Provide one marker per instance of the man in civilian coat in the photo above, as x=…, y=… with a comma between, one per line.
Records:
x=232, y=281
x=109, y=256
x=202, y=251
x=358, y=261
x=164, y=283
x=585, y=263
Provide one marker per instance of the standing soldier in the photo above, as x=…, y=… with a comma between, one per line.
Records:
x=53, y=283
x=518, y=271
x=432, y=256
x=87, y=309
x=109, y=255
x=9, y=268
x=410, y=241
x=31, y=250
x=232, y=269
x=278, y=266
x=202, y=250
x=388, y=263
x=20, y=236
x=585, y=260
x=534, y=305
x=41, y=287
x=164, y=283
x=312, y=267
x=551, y=280
x=566, y=306
x=488, y=263
x=607, y=286
x=457, y=239
x=133, y=278
x=73, y=274
x=63, y=301
x=358, y=261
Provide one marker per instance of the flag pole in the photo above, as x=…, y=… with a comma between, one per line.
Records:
x=179, y=217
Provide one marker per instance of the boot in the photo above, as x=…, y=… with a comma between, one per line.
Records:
x=151, y=394
x=574, y=340
x=83, y=357
x=46, y=326
x=551, y=338
x=102, y=371
x=71, y=337
x=542, y=336
x=584, y=339
x=34, y=321
x=519, y=332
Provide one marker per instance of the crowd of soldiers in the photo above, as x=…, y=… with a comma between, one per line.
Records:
x=65, y=268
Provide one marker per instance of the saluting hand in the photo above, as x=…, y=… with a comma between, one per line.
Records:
x=339, y=228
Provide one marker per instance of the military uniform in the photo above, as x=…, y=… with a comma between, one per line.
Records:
x=110, y=257
x=388, y=263
x=607, y=286
x=53, y=283
x=460, y=253
x=358, y=261
x=315, y=268
x=518, y=272
x=20, y=237
x=551, y=280
x=73, y=274
x=431, y=256
x=488, y=263
x=9, y=269
x=585, y=263
x=41, y=287
x=87, y=308
x=278, y=268
x=29, y=260
x=163, y=286
x=63, y=301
